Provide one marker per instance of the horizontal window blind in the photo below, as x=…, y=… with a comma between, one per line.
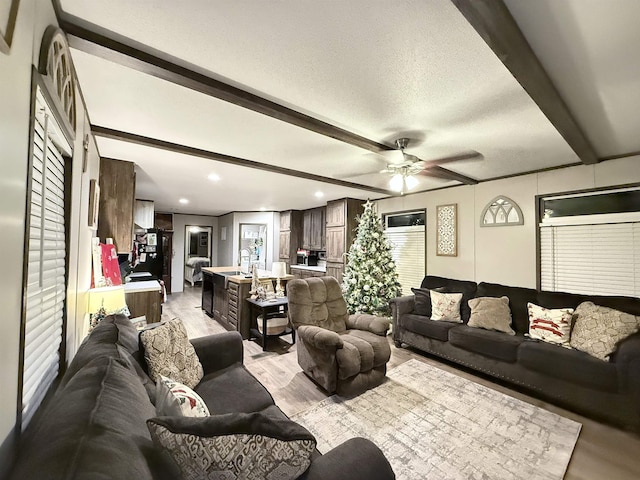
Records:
x=46, y=267
x=408, y=253
x=601, y=259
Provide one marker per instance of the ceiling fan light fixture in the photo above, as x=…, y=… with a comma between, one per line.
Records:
x=397, y=182
x=411, y=182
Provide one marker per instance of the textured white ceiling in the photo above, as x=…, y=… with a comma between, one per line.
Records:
x=375, y=68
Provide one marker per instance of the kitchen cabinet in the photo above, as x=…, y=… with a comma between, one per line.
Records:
x=313, y=229
x=290, y=236
x=117, y=199
x=144, y=298
x=207, y=292
x=340, y=232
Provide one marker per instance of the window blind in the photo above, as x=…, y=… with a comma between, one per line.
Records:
x=408, y=252
x=46, y=266
x=595, y=259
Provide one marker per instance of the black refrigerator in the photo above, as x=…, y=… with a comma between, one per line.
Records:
x=147, y=253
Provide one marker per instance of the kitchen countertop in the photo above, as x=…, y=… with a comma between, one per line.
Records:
x=144, y=286
x=240, y=278
x=313, y=269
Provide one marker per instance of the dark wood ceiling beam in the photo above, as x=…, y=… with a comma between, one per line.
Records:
x=104, y=44
x=494, y=23
x=439, y=172
x=105, y=132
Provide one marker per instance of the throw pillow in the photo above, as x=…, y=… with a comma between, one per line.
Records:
x=446, y=306
x=491, y=313
x=598, y=330
x=168, y=352
x=175, y=399
x=235, y=445
x=422, y=300
x=550, y=325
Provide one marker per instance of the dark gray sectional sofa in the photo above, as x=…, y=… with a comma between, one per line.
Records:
x=607, y=391
x=94, y=426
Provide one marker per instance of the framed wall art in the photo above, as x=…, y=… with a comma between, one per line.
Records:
x=447, y=230
x=94, y=200
x=8, y=15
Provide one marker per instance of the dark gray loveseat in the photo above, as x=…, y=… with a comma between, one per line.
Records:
x=94, y=426
x=608, y=391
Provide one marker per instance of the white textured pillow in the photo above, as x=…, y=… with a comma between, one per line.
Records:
x=491, y=313
x=446, y=306
x=168, y=352
x=550, y=325
x=598, y=330
x=174, y=399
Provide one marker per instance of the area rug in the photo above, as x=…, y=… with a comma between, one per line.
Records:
x=433, y=424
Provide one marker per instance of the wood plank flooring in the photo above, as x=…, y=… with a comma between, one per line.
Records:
x=602, y=452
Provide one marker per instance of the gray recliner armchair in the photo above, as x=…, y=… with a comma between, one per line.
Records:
x=344, y=354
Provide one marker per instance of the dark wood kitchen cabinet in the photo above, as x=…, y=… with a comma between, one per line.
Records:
x=290, y=236
x=313, y=229
x=340, y=232
x=117, y=199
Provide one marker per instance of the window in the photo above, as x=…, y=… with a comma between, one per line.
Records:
x=406, y=235
x=46, y=259
x=590, y=243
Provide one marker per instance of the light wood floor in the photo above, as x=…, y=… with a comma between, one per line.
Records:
x=602, y=452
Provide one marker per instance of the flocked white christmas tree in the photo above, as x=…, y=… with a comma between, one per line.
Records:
x=370, y=278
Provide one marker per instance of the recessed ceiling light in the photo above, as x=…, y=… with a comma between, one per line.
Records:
x=183, y=201
x=213, y=177
x=319, y=194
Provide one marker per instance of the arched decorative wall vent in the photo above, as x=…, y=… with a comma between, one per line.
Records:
x=56, y=68
x=501, y=211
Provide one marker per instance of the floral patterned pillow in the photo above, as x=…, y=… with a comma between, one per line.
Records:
x=553, y=326
x=175, y=399
x=446, y=306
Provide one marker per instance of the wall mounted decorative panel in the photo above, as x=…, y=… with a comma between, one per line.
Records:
x=447, y=230
x=500, y=212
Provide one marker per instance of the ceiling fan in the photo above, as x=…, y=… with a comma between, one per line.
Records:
x=404, y=167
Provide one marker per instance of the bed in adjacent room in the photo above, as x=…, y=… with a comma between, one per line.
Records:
x=193, y=269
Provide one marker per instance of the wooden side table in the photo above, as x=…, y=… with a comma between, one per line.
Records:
x=265, y=307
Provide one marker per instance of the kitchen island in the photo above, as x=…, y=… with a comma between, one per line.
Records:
x=224, y=290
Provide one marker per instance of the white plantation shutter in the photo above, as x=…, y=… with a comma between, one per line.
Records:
x=46, y=266
x=595, y=259
x=408, y=252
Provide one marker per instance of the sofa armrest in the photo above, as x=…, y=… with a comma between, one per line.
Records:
x=399, y=307
x=370, y=323
x=355, y=459
x=219, y=351
x=320, y=338
x=627, y=359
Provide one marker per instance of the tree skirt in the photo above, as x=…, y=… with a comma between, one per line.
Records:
x=433, y=424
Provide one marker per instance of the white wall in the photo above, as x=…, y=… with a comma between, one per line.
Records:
x=225, y=247
x=504, y=255
x=15, y=97
x=177, y=264
x=271, y=219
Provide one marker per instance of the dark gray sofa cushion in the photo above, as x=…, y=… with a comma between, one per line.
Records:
x=492, y=344
x=94, y=427
x=428, y=328
x=233, y=390
x=570, y=365
x=448, y=285
x=518, y=299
